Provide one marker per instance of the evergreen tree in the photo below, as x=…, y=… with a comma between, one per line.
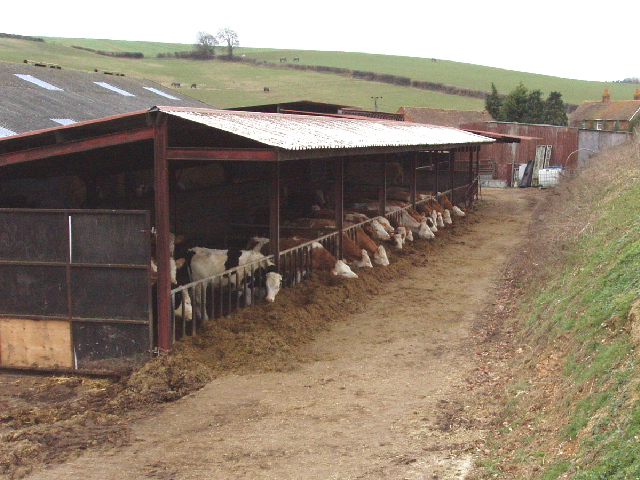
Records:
x=535, y=109
x=555, y=110
x=524, y=106
x=493, y=102
x=515, y=105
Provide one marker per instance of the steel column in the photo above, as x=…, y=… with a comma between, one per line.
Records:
x=470, y=166
x=437, y=169
x=382, y=191
x=452, y=162
x=478, y=171
x=339, y=202
x=274, y=213
x=161, y=198
x=413, y=177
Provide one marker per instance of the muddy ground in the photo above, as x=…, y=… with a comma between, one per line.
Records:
x=394, y=375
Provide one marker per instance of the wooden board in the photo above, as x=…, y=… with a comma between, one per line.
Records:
x=35, y=343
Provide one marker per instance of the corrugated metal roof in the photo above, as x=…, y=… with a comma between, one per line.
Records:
x=299, y=132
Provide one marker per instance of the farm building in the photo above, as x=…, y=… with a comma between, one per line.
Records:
x=443, y=117
x=607, y=115
x=92, y=202
x=501, y=162
x=34, y=96
x=306, y=107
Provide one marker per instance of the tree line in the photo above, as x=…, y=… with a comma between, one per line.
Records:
x=206, y=43
x=526, y=106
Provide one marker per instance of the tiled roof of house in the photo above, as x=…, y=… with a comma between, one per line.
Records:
x=444, y=118
x=612, y=110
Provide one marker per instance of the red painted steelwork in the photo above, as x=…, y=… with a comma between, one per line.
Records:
x=161, y=174
x=75, y=146
x=248, y=154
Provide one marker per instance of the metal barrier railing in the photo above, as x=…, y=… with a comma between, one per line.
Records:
x=217, y=296
x=224, y=293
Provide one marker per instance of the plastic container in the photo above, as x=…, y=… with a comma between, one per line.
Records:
x=549, y=177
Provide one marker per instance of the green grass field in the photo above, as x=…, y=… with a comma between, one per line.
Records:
x=233, y=84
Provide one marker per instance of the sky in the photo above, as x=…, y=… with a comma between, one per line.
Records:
x=563, y=38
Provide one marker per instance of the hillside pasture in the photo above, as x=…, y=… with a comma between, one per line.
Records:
x=226, y=84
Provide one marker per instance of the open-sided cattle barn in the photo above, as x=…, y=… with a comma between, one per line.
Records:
x=93, y=197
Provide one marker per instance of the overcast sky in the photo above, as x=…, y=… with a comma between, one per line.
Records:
x=564, y=38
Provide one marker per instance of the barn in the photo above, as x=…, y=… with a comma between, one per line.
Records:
x=85, y=206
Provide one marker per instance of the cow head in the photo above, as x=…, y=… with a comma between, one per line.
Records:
x=378, y=231
x=273, y=284
x=366, y=260
x=431, y=223
x=380, y=257
x=341, y=269
x=425, y=231
x=457, y=211
x=398, y=240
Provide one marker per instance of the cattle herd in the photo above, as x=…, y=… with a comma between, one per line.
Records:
x=252, y=276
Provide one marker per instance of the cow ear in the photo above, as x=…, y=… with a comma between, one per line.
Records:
x=180, y=262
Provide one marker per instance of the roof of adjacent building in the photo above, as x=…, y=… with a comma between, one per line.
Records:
x=39, y=97
x=442, y=117
x=303, y=132
x=612, y=110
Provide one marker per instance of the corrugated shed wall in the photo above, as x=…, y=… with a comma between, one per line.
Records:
x=563, y=139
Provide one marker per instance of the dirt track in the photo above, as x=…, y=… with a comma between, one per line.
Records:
x=397, y=391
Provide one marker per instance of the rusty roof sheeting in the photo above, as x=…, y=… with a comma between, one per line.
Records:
x=298, y=132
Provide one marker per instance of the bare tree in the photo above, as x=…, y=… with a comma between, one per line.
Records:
x=206, y=45
x=230, y=38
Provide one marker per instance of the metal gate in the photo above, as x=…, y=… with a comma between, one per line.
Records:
x=75, y=291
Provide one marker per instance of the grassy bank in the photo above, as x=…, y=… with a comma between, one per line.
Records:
x=572, y=408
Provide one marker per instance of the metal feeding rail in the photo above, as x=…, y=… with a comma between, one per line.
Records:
x=222, y=294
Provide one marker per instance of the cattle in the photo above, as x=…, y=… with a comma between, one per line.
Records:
x=353, y=254
x=400, y=237
x=193, y=85
x=175, y=84
x=283, y=59
x=445, y=202
x=264, y=283
x=183, y=306
x=355, y=217
x=208, y=262
x=374, y=250
x=266, y=89
x=447, y=205
x=321, y=258
x=408, y=221
x=174, y=265
x=386, y=224
x=257, y=243
x=457, y=211
x=296, y=59
x=380, y=232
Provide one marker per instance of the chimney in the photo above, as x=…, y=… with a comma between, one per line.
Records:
x=636, y=96
x=606, y=96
